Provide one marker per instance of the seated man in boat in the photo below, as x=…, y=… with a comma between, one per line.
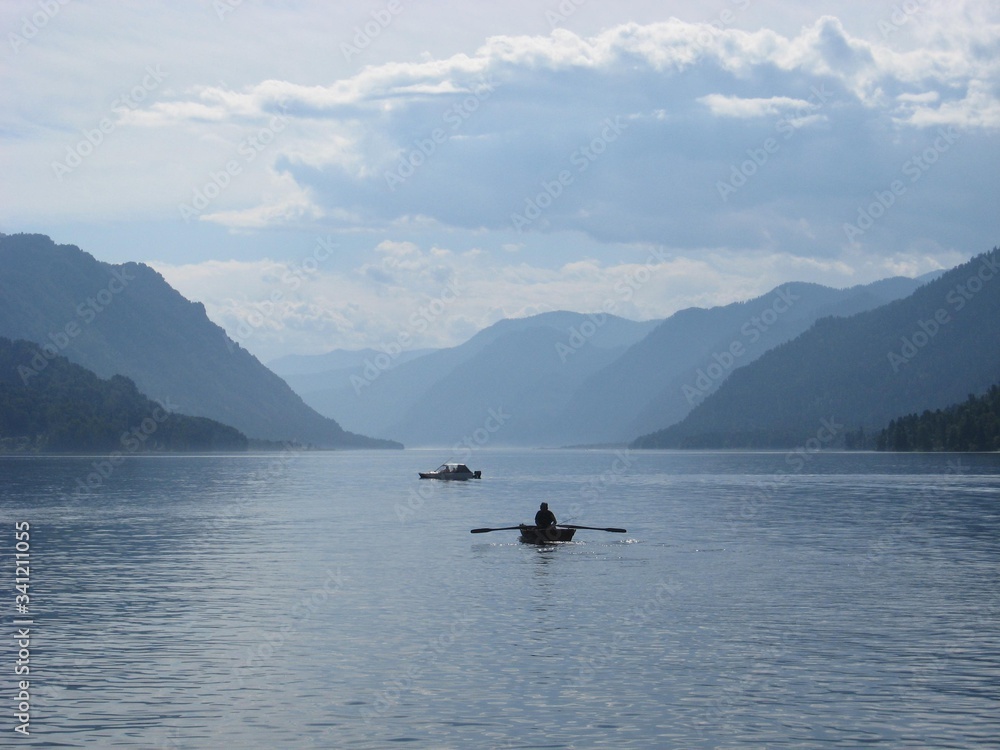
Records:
x=545, y=518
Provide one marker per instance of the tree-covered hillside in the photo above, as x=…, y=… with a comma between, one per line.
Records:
x=126, y=320
x=65, y=407
x=973, y=425
x=926, y=351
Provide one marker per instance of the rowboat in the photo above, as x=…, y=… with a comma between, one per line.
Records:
x=536, y=535
x=451, y=471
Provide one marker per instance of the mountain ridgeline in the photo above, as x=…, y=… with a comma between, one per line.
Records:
x=126, y=320
x=800, y=365
x=65, y=407
x=689, y=355
x=565, y=378
x=523, y=368
x=924, y=352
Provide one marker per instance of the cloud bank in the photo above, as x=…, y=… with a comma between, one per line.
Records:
x=531, y=166
x=672, y=132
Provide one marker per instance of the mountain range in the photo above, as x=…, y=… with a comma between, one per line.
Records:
x=926, y=351
x=65, y=407
x=526, y=367
x=126, y=320
x=775, y=371
x=570, y=379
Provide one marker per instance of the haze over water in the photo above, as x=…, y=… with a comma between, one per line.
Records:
x=319, y=600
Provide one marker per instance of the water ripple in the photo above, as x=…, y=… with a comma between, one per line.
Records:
x=268, y=601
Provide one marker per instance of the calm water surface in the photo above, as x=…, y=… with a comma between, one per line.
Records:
x=333, y=600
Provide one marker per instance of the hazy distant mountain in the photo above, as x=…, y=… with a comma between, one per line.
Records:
x=520, y=376
x=125, y=319
x=526, y=366
x=338, y=359
x=65, y=407
x=567, y=378
x=688, y=356
x=310, y=374
x=926, y=351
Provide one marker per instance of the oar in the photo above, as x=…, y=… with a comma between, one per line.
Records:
x=592, y=528
x=502, y=528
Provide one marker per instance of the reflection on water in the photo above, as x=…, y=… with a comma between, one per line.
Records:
x=286, y=601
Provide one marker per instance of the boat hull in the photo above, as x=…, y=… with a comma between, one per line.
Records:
x=450, y=476
x=535, y=535
x=452, y=471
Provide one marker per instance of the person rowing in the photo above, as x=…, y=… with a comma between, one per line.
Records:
x=545, y=518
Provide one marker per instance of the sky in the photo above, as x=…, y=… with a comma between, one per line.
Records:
x=349, y=175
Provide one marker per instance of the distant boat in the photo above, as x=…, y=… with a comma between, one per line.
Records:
x=451, y=471
x=536, y=535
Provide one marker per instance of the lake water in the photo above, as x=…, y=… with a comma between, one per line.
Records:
x=334, y=600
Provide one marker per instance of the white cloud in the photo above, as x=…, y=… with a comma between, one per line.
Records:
x=622, y=122
x=273, y=307
x=287, y=203
x=978, y=109
x=738, y=107
x=926, y=97
x=413, y=141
